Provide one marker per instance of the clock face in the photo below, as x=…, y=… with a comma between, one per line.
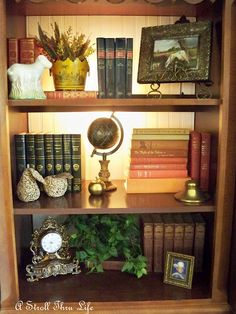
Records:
x=51, y=242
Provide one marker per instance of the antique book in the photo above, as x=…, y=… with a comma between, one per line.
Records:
x=161, y=131
x=27, y=50
x=158, y=232
x=158, y=160
x=178, y=233
x=76, y=162
x=169, y=228
x=120, y=67
x=67, y=158
x=199, y=241
x=159, y=136
x=129, y=66
x=205, y=160
x=158, y=166
x=155, y=185
x=188, y=234
x=30, y=149
x=147, y=227
x=101, y=67
x=159, y=152
x=12, y=51
x=195, y=146
x=61, y=94
x=20, y=154
x=39, y=153
x=110, y=67
x=157, y=173
x=158, y=144
x=49, y=154
x=58, y=153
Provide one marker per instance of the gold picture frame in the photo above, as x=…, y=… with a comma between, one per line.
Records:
x=179, y=269
x=175, y=53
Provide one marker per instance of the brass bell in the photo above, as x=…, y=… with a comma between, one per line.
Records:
x=192, y=194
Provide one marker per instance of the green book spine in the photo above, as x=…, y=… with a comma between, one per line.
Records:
x=20, y=154
x=76, y=162
x=110, y=67
x=101, y=67
x=30, y=150
x=39, y=154
x=58, y=153
x=129, y=66
x=49, y=154
x=120, y=67
x=67, y=161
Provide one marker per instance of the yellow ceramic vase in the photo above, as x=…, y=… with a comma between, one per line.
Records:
x=70, y=75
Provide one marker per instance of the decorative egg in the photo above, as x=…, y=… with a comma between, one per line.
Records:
x=96, y=187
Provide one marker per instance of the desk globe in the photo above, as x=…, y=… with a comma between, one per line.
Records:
x=106, y=135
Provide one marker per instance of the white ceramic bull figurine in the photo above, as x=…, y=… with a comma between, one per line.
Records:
x=25, y=79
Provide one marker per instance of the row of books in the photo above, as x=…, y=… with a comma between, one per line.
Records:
x=179, y=233
x=158, y=160
x=114, y=65
x=22, y=50
x=50, y=154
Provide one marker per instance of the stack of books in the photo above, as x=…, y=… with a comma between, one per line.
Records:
x=50, y=154
x=158, y=160
x=179, y=233
x=114, y=65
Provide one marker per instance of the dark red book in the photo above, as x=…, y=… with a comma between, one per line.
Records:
x=27, y=50
x=12, y=51
x=195, y=149
x=205, y=160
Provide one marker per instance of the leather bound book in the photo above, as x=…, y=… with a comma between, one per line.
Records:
x=67, y=158
x=159, y=144
x=205, y=160
x=20, y=154
x=58, y=153
x=120, y=67
x=110, y=67
x=199, y=241
x=147, y=226
x=195, y=148
x=129, y=66
x=39, y=153
x=27, y=50
x=49, y=154
x=12, y=51
x=158, y=232
x=188, y=234
x=159, y=152
x=178, y=233
x=30, y=149
x=101, y=67
x=157, y=173
x=76, y=162
x=169, y=228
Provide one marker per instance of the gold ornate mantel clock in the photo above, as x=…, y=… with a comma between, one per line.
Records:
x=50, y=248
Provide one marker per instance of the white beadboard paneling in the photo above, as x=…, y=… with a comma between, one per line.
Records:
x=108, y=26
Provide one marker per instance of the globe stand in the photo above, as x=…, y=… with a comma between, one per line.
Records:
x=104, y=173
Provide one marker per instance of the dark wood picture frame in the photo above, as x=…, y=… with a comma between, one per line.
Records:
x=179, y=269
x=175, y=53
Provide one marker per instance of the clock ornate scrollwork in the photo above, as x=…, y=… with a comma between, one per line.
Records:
x=50, y=248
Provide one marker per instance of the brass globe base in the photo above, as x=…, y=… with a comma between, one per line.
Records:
x=192, y=194
x=104, y=174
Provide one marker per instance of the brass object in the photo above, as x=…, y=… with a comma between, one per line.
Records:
x=96, y=187
x=192, y=193
x=105, y=134
x=50, y=248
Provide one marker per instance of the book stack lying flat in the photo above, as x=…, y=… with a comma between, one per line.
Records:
x=158, y=160
x=179, y=233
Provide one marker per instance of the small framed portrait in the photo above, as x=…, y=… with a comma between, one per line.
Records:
x=175, y=53
x=179, y=270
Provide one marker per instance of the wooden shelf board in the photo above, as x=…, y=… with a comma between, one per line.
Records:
x=117, y=202
x=110, y=286
x=101, y=7
x=131, y=104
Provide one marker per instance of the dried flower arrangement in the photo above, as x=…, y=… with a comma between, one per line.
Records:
x=64, y=45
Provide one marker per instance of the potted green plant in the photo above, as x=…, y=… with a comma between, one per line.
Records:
x=68, y=53
x=98, y=238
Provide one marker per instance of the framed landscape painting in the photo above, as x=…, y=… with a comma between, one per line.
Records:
x=175, y=53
